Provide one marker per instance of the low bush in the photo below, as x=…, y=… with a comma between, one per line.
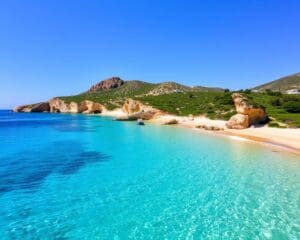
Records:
x=292, y=106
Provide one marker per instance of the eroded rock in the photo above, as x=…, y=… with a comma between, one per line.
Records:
x=247, y=113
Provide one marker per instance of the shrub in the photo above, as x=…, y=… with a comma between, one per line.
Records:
x=276, y=102
x=273, y=93
x=225, y=99
x=292, y=106
x=288, y=98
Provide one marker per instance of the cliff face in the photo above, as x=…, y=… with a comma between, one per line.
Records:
x=136, y=110
x=109, y=83
x=57, y=105
x=38, y=107
x=247, y=114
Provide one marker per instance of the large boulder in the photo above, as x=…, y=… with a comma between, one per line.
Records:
x=110, y=83
x=247, y=113
x=238, y=121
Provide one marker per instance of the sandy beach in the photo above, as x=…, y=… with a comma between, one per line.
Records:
x=285, y=139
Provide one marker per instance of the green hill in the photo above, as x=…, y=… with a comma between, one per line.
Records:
x=114, y=96
x=282, y=84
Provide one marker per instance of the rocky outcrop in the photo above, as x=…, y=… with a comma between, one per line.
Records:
x=238, y=121
x=171, y=121
x=247, y=114
x=90, y=107
x=41, y=107
x=136, y=110
x=38, y=107
x=131, y=106
x=57, y=105
x=110, y=83
x=23, y=108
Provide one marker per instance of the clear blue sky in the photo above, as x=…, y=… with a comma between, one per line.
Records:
x=51, y=48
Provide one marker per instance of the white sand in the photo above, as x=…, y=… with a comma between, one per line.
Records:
x=289, y=139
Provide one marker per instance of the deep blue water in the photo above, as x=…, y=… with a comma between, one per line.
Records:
x=65, y=176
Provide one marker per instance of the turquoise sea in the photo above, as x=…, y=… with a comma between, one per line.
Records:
x=65, y=176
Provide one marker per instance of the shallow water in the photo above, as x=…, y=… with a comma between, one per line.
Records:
x=66, y=176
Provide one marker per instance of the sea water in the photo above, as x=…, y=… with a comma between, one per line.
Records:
x=65, y=176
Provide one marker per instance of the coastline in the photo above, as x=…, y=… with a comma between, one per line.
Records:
x=283, y=139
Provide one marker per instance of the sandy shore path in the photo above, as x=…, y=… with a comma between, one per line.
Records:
x=287, y=139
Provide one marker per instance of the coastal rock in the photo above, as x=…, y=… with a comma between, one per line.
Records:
x=58, y=105
x=90, y=107
x=131, y=106
x=238, y=121
x=247, y=113
x=37, y=107
x=110, y=83
x=137, y=110
x=144, y=114
x=171, y=121
x=126, y=118
x=23, y=108
x=41, y=107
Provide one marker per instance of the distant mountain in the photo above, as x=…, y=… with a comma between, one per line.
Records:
x=282, y=84
x=137, y=87
x=113, y=91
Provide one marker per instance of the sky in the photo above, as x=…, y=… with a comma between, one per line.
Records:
x=52, y=48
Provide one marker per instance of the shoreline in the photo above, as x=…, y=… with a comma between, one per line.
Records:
x=284, y=139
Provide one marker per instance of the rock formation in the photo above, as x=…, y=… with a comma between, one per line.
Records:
x=171, y=121
x=136, y=110
x=131, y=106
x=38, y=107
x=90, y=107
x=109, y=83
x=58, y=105
x=247, y=114
x=41, y=107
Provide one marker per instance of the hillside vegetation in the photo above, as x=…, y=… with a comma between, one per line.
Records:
x=115, y=97
x=182, y=100
x=281, y=108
